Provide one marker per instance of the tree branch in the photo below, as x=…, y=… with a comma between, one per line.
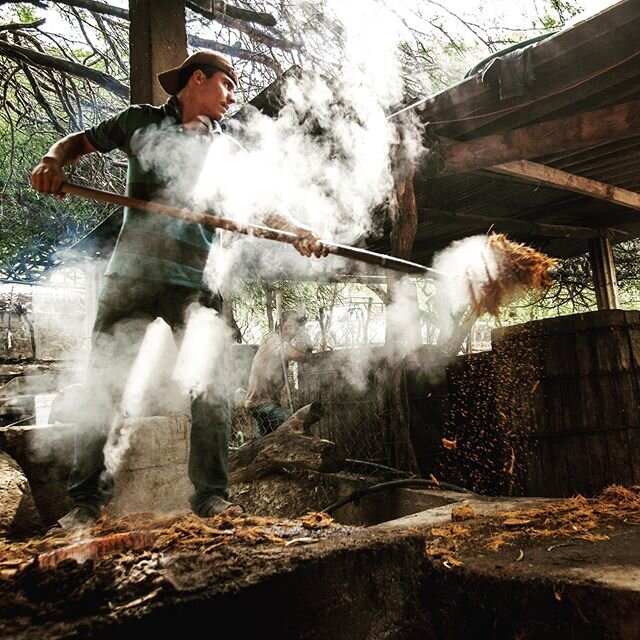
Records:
x=243, y=54
x=16, y=26
x=22, y=54
x=98, y=7
x=42, y=100
x=256, y=34
x=213, y=9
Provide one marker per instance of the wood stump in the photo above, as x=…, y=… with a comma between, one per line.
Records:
x=291, y=447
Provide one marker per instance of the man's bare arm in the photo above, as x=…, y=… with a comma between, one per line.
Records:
x=48, y=176
x=308, y=244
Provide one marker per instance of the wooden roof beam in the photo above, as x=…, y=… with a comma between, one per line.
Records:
x=586, y=129
x=550, y=177
x=512, y=225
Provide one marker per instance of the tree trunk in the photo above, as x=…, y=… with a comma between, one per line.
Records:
x=291, y=447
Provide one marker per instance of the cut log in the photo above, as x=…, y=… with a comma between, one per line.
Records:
x=291, y=447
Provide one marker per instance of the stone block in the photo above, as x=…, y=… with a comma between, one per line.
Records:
x=152, y=472
x=18, y=513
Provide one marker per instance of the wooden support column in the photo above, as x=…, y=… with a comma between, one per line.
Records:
x=402, y=337
x=604, y=273
x=157, y=42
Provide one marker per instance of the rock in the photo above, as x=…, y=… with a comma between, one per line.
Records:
x=45, y=455
x=18, y=513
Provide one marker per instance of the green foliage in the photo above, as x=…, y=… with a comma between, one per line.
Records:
x=25, y=13
x=558, y=14
x=35, y=227
x=37, y=107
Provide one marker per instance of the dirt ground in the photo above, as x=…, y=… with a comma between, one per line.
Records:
x=547, y=569
x=141, y=575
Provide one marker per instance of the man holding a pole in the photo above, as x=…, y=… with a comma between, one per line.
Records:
x=156, y=270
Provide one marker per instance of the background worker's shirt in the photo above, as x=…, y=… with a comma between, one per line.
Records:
x=266, y=379
x=151, y=246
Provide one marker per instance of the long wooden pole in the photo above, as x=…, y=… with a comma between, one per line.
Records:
x=212, y=222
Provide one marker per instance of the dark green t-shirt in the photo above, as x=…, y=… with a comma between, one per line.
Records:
x=151, y=246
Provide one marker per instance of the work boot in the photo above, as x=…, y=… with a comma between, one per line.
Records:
x=80, y=517
x=215, y=505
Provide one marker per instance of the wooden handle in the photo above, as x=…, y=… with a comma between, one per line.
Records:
x=211, y=221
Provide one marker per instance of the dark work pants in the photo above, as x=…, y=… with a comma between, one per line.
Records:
x=125, y=309
x=269, y=417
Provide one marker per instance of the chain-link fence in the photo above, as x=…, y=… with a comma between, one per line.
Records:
x=347, y=373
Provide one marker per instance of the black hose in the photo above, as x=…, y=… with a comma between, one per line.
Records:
x=408, y=482
x=379, y=467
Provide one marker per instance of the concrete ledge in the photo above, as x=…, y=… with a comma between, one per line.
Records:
x=542, y=591
x=152, y=476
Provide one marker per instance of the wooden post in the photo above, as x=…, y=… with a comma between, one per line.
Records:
x=604, y=273
x=157, y=42
x=391, y=385
x=268, y=291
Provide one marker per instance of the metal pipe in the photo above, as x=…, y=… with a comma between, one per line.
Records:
x=211, y=221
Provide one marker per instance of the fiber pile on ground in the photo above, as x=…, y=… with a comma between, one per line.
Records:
x=590, y=519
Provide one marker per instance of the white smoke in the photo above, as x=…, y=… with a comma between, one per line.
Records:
x=468, y=264
x=403, y=322
x=199, y=367
x=163, y=378
x=324, y=161
x=149, y=390
x=148, y=378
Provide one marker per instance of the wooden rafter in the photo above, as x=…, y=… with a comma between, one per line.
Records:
x=511, y=225
x=550, y=177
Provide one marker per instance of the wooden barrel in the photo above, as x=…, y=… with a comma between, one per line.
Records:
x=571, y=386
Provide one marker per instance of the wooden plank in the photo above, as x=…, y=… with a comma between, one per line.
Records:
x=572, y=55
x=629, y=400
x=598, y=460
x=560, y=467
x=578, y=479
x=633, y=436
x=604, y=155
x=510, y=225
x=535, y=476
x=619, y=466
x=551, y=177
x=573, y=132
x=611, y=349
x=560, y=357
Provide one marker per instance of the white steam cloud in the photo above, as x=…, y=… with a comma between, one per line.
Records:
x=324, y=161
x=200, y=364
x=468, y=264
x=163, y=378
